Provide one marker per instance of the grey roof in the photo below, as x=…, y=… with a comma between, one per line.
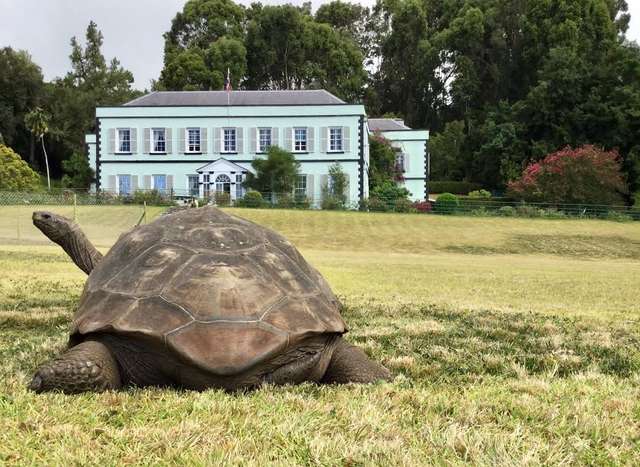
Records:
x=246, y=98
x=387, y=124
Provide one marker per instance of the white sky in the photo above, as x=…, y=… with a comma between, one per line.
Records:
x=132, y=30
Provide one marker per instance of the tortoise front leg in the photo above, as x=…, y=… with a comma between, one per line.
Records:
x=349, y=364
x=88, y=366
x=70, y=237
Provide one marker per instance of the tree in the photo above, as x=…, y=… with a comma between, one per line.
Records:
x=447, y=156
x=205, y=40
x=15, y=174
x=21, y=89
x=382, y=162
x=586, y=175
x=275, y=174
x=38, y=123
x=334, y=193
x=78, y=173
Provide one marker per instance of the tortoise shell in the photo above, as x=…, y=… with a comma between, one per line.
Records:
x=221, y=292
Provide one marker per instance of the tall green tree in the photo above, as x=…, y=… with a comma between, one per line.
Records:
x=38, y=123
x=21, y=89
x=205, y=40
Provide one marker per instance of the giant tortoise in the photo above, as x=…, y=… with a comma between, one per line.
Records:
x=199, y=299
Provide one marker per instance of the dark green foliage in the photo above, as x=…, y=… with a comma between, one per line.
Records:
x=78, y=173
x=458, y=188
x=151, y=197
x=15, y=174
x=388, y=197
x=447, y=203
x=251, y=199
x=382, y=162
x=275, y=174
x=334, y=195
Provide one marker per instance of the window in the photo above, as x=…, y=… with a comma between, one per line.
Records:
x=300, y=139
x=264, y=139
x=193, y=140
x=205, y=185
x=223, y=184
x=300, y=190
x=194, y=185
x=124, y=140
x=124, y=185
x=229, y=140
x=401, y=162
x=239, y=187
x=335, y=139
x=160, y=183
x=159, y=140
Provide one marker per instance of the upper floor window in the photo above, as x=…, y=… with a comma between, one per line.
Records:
x=335, y=139
x=159, y=140
x=300, y=139
x=124, y=140
x=264, y=139
x=229, y=142
x=193, y=140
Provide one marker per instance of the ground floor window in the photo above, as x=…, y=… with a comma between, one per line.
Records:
x=300, y=190
x=193, y=185
x=239, y=187
x=124, y=185
x=160, y=183
x=223, y=184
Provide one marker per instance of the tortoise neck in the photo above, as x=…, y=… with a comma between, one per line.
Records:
x=79, y=248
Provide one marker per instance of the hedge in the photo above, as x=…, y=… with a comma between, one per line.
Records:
x=457, y=188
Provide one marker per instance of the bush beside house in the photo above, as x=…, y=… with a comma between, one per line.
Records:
x=15, y=173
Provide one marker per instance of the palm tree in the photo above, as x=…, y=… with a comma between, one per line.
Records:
x=38, y=123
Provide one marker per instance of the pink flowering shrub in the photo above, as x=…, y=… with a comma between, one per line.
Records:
x=586, y=175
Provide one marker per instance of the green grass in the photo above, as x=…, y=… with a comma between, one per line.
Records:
x=513, y=342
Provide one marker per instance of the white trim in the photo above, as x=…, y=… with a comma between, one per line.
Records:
x=117, y=138
x=186, y=140
x=235, y=140
x=306, y=139
x=152, y=144
x=331, y=128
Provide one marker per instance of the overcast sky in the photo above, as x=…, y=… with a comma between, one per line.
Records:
x=132, y=30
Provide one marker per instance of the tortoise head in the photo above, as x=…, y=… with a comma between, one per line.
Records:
x=52, y=225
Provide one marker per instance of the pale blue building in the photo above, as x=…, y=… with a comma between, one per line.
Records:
x=195, y=143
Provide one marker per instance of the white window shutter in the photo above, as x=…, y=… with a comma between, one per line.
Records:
x=274, y=136
x=239, y=141
x=254, y=141
x=146, y=182
x=167, y=138
x=111, y=147
x=310, y=192
x=134, y=140
x=147, y=141
x=134, y=183
x=324, y=136
x=311, y=142
x=324, y=182
x=204, y=148
x=169, y=182
x=288, y=139
x=111, y=183
x=181, y=143
x=346, y=139
x=216, y=140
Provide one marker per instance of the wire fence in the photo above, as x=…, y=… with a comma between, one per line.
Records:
x=104, y=216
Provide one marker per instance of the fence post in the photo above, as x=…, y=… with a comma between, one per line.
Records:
x=75, y=205
x=144, y=213
x=18, y=221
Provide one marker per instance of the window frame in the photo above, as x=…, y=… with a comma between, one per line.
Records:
x=401, y=163
x=187, y=146
x=119, y=141
x=239, y=186
x=224, y=149
x=301, y=149
x=128, y=177
x=331, y=139
x=261, y=149
x=155, y=187
x=153, y=141
x=297, y=186
x=193, y=191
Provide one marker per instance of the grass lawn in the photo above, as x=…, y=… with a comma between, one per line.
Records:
x=512, y=341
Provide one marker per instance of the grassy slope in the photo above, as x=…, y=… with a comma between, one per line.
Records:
x=513, y=341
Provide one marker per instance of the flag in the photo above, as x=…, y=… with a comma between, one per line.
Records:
x=227, y=82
